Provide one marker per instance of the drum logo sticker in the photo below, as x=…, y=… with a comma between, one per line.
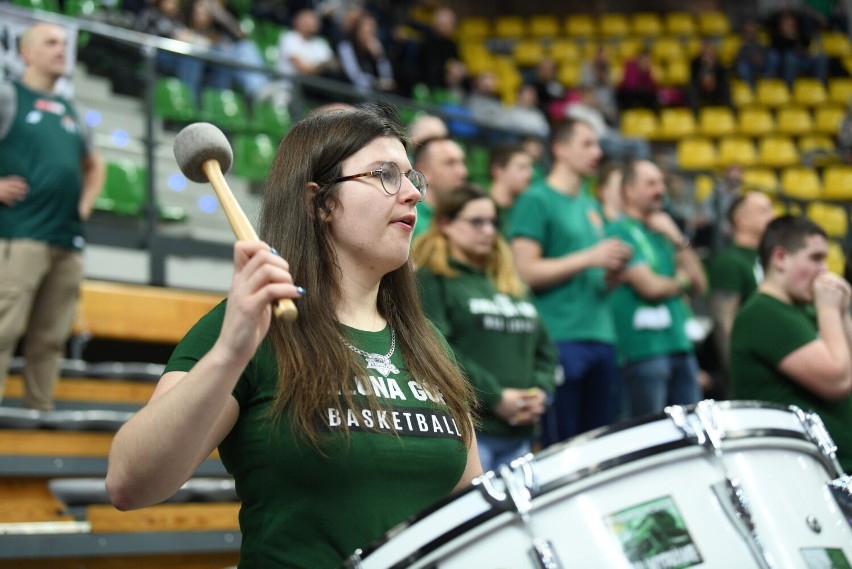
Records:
x=653, y=535
x=819, y=558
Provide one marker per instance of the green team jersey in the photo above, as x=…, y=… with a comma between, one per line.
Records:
x=766, y=330
x=424, y=219
x=646, y=328
x=736, y=270
x=561, y=224
x=43, y=141
x=304, y=510
x=497, y=339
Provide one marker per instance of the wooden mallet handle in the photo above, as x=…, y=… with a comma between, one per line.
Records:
x=283, y=307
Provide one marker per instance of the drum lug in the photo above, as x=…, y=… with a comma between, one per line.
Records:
x=543, y=554
x=354, y=561
x=734, y=501
x=818, y=434
x=841, y=490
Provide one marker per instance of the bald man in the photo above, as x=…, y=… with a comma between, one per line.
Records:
x=442, y=161
x=49, y=179
x=736, y=272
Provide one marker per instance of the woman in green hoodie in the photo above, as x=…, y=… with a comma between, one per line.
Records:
x=471, y=292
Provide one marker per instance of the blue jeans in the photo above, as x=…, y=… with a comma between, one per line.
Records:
x=654, y=383
x=494, y=451
x=589, y=397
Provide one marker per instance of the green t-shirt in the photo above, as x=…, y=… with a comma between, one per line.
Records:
x=43, y=141
x=736, y=270
x=645, y=328
x=576, y=309
x=766, y=331
x=424, y=219
x=304, y=510
x=498, y=340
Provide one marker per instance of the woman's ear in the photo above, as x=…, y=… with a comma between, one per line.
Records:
x=311, y=189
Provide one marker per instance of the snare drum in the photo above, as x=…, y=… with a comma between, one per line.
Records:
x=730, y=485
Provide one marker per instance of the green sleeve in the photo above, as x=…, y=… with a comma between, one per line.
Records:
x=198, y=341
x=528, y=218
x=724, y=276
x=431, y=289
x=620, y=231
x=545, y=361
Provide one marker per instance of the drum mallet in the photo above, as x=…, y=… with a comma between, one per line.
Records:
x=203, y=153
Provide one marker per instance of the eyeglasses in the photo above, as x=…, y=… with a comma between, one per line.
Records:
x=391, y=178
x=481, y=222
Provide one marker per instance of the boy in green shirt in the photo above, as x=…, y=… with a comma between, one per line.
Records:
x=779, y=353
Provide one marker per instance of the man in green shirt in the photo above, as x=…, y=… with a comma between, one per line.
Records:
x=562, y=254
x=736, y=271
x=442, y=161
x=511, y=170
x=49, y=179
x=779, y=352
x=658, y=363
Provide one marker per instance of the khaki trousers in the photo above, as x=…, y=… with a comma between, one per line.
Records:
x=39, y=289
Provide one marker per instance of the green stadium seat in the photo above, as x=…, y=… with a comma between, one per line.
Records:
x=271, y=118
x=225, y=108
x=124, y=186
x=173, y=100
x=82, y=8
x=46, y=5
x=478, y=158
x=253, y=154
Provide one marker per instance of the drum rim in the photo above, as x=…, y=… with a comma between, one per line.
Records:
x=492, y=512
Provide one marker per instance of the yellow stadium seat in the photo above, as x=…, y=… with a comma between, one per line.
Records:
x=836, y=258
x=713, y=23
x=565, y=50
x=741, y=93
x=716, y=121
x=647, y=24
x=676, y=123
x=832, y=218
x=777, y=151
x=528, y=53
x=704, y=184
x=809, y=92
x=827, y=119
x=628, y=48
x=613, y=25
x=771, y=92
x=756, y=121
x=666, y=48
x=760, y=179
x=780, y=208
x=641, y=123
x=801, y=183
x=736, y=151
x=543, y=26
x=835, y=44
x=676, y=72
x=474, y=28
x=696, y=154
x=509, y=27
x=840, y=90
x=580, y=25
x=816, y=143
x=794, y=121
x=569, y=74
x=838, y=183
x=728, y=48
x=680, y=24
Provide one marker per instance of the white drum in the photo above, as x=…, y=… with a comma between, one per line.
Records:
x=731, y=485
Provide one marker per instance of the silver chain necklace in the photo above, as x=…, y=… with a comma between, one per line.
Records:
x=378, y=362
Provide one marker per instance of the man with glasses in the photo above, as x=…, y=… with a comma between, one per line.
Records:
x=442, y=161
x=561, y=253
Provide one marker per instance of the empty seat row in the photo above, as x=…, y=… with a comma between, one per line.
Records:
x=771, y=151
x=608, y=25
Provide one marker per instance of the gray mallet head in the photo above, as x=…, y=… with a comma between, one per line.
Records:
x=198, y=143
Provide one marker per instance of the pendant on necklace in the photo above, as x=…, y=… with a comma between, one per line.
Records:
x=380, y=363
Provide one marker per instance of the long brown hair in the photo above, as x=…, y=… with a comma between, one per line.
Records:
x=432, y=249
x=317, y=370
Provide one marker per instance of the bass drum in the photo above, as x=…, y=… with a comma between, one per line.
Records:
x=731, y=485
